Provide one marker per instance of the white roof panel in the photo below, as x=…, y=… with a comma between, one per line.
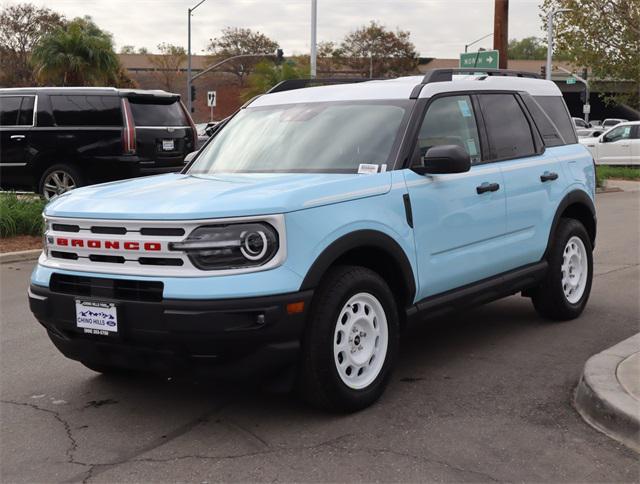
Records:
x=401, y=88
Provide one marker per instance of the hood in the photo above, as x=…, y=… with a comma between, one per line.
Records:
x=179, y=197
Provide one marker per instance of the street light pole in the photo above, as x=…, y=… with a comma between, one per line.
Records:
x=189, y=107
x=314, y=25
x=466, y=46
x=550, y=38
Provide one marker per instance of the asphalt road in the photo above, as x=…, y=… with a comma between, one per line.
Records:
x=481, y=396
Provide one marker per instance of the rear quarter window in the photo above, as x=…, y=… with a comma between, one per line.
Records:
x=150, y=114
x=556, y=109
x=73, y=110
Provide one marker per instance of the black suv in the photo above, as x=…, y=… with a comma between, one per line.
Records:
x=56, y=139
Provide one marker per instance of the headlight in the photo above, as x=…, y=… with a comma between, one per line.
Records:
x=233, y=246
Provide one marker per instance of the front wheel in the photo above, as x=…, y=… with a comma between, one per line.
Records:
x=565, y=291
x=351, y=340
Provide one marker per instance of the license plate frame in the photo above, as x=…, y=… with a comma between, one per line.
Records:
x=96, y=317
x=168, y=145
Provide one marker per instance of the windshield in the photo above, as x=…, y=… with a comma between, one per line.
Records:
x=331, y=137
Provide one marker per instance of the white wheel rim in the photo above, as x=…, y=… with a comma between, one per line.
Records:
x=56, y=183
x=575, y=269
x=360, y=341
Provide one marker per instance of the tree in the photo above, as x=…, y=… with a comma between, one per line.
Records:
x=168, y=63
x=381, y=51
x=328, y=57
x=143, y=50
x=527, y=48
x=238, y=41
x=603, y=35
x=267, y=74
x=77, y=54
x=127, y=49
x=22, y=26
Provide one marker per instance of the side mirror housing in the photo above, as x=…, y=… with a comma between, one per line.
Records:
x=443, y=159
x=189, y=158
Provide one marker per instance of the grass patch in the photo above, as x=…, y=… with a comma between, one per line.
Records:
x=622, y=172
x=20, y=215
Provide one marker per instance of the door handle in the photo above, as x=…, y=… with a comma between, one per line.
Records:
x=487, y=187
x=17, y=137
x=548, y=176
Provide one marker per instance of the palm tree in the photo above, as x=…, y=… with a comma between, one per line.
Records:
x=77, y=54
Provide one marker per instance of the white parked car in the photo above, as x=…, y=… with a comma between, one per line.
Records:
x=618, y=146
x=611, y=122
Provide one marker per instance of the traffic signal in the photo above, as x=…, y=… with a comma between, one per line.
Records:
x=193, y=93
x=585, y=72
x=279, y=56
x=543, y=72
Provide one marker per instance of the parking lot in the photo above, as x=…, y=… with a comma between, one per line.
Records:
x=481, y=396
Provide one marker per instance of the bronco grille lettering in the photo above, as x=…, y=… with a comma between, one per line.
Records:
x=108, y=244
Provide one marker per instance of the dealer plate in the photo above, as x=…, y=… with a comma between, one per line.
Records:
x=96, y=317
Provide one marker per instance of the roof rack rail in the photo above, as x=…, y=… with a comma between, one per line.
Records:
x=291, y=84
x=443, y=75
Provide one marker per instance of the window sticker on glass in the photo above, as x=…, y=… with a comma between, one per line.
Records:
x=471, y=147
x=367, y=169
x=464, y=108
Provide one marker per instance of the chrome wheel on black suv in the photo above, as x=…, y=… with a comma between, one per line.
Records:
x=59, y=179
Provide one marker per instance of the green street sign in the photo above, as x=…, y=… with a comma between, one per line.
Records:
x=485, y=59
x=571, y=80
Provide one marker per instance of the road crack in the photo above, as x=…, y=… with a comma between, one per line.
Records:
x=73, y=444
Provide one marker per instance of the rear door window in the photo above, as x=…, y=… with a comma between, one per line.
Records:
x=9, y=110
x=508, y=129
x=16, y=110
x=74, y=110
x=25, y=118
x=556, y=109
x=150, y=114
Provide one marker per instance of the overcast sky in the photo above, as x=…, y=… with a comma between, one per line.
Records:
x=439, y=28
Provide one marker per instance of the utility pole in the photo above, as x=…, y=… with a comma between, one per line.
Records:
x=550, y=37
x=501, y=31
x=189, y=107
x=314, y=27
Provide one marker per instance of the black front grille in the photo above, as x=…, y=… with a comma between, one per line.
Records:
x=150, y=291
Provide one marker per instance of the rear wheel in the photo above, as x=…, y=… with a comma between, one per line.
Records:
x=351, y=340
x=565, y=291
x=58, y=179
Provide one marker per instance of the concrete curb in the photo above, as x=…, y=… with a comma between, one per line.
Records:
x=601, y=399
x=22, y=255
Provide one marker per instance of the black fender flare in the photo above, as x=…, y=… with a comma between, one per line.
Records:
x=575, y=197
x=360, y=239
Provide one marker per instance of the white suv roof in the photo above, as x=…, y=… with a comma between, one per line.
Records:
x=402, y=88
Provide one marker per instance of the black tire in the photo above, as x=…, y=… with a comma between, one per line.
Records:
x=63, y=168
x=319, y=380
x=549, y=298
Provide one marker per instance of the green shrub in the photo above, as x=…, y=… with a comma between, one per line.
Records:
x=623, y=172
x=20, y=215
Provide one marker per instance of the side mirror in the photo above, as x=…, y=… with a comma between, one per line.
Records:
x=209, y=130
x=443, y=159
x=189, y=158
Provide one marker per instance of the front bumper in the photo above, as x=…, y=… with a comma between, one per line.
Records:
x=225, y=338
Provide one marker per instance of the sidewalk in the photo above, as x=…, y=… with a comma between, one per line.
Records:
x=624, y=185
x=608, y=395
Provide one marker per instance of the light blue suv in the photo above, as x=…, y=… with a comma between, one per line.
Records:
x=316, y=223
